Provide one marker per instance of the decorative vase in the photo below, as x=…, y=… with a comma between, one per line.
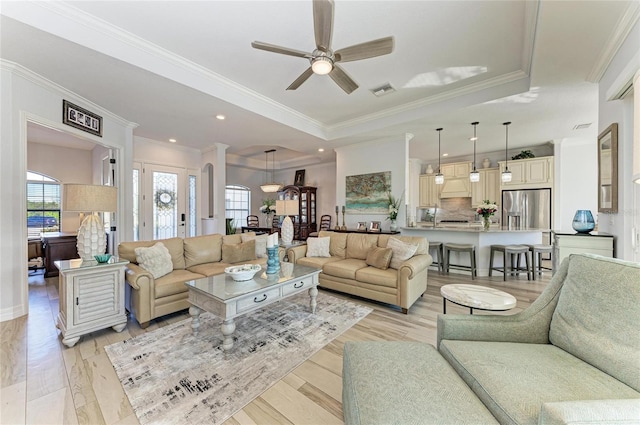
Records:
x=394, y=226
x=583, y=221
x=267, y=220
x=486, y=163
x=429, y=169
x=486, y=223
x=273, y=263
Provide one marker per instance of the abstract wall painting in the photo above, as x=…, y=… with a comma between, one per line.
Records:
x=368, y=193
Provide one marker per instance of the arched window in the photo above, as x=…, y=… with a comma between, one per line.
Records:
x=237, y=204
x=43, y=204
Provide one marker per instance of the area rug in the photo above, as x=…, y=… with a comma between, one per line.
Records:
x=173, y=376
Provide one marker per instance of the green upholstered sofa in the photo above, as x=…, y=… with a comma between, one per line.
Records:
x=572, y=357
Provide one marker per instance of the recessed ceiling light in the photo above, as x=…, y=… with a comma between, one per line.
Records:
x=320, y=149
x=220, y=117
x=445, y=154
x=172, y=140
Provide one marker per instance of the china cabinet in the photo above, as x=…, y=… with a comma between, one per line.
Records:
x=305, y=221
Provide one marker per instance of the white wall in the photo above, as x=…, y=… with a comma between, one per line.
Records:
x=27, y=96
x=621, y=70
x=373, y=157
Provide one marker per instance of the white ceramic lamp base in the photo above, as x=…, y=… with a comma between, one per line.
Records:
x=286, y=231
x=91, y=238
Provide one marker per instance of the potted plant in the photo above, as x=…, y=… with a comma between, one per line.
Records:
x=523, y=155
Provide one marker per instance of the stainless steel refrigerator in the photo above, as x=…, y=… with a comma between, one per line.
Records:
x=527, y=209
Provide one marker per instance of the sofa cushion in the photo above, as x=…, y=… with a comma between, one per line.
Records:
x=402, y=251
x=422, y=242
x=209, y=269
x=175, y=246
x=234, y=239
x=338, y=243
x=344, y=268
x=261, y=242
x=379, y=257
x=318, y=247
x=317, y=262
x=173, y=283
x=358, y=245
x=239, y=253
x=375, y=276
x=514, y=379
x=202, y=249
x=594, y=318
x=154, y=259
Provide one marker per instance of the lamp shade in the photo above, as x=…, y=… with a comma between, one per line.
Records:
x=86, y=197
x=287, y=207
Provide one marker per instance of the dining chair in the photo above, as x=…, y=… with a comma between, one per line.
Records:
x=252, y=221
x=325, y=222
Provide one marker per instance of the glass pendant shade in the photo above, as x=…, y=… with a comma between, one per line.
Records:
x=583, y=221
x=474, y=176
x=439, y=178
x=506, y=176
x=270, y=187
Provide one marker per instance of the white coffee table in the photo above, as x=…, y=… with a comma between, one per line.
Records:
x=228, y=299
x=476, y=296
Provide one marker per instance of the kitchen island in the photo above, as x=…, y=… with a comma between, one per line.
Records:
x=480, y=238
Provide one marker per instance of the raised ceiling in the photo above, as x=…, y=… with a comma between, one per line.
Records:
x=172, y=66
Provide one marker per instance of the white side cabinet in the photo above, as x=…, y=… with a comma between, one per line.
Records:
x=565, y=244
x=91, y=297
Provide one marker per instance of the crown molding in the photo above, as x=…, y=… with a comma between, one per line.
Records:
x=616, y=39
x=532, y=13
x=27, y=74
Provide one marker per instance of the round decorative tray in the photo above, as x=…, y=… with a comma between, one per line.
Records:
x=243, y=272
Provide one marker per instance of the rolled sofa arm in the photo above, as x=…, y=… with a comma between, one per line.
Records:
x=138, y=277
x=528, y=326
x=296, y=252
x=416, y=264
x=590, y=412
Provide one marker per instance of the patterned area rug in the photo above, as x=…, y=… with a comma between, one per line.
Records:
x=172, y=376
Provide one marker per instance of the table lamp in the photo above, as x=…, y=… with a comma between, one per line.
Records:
x=287, y=208
x=84, y=198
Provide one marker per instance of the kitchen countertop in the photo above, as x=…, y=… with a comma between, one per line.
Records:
x=473, y=229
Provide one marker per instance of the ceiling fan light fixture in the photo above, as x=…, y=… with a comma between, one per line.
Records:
x=321, y=65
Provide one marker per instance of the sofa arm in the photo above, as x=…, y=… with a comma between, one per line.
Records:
x=143, y=294
x=528, y=326
x=415, y=265
x=590, y=412
x=137, y=277
x=296, y=252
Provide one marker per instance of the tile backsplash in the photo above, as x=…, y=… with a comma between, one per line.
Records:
x=452, y=209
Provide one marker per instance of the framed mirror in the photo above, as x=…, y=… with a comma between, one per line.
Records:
x=608, y=170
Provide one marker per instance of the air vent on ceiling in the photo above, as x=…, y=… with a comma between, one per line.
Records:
x=382, y=90
x=582, y=126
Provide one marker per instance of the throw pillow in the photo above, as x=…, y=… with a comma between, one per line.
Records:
x=318, y=247
x=261, y=243
x=401, y=252
x=239, y=253
x=379, y=257
x=155, y=259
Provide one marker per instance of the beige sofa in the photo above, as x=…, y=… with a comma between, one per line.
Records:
x=192, y=258
x=346, y=270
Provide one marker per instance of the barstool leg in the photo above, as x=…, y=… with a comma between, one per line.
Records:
x=474, y=269
x=491, y=262
x=447, y=257
x=529, y=269
x=504, y=263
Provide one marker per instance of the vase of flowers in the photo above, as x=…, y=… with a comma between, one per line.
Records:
x=486, y=210
x=268, y=207
x=394, y=207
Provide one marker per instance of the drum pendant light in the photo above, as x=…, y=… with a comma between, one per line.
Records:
x=439, y=176
x=270, y=187
x=506, y=174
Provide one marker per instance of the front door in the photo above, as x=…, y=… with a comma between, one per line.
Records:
x=165, y=215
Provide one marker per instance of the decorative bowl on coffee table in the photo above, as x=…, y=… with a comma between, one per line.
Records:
x=243, y=272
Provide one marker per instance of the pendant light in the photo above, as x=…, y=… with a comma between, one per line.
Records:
x=474, y=176
x=439, y=176
x=506, y=174
x=270, y=187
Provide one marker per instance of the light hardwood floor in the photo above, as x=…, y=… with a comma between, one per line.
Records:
x=42, y=381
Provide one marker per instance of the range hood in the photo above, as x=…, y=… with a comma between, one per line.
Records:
x=456, y=188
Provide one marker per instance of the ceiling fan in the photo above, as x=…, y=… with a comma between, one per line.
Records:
x=323, y=59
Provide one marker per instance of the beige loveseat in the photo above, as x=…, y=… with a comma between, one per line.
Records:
x=192, y=258
x=346, y=270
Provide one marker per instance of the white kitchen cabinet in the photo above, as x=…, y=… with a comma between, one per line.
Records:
x=428, y=190
x=487, y=188
x=529, y=173
x=566, y=244
x=91, y=297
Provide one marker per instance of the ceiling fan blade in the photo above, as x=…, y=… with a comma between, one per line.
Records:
x=277, y=49
x=370, y=49
x=323, y=23
x=341, y=78
x=301, y=79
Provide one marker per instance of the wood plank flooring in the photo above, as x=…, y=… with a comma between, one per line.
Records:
x=44, y=382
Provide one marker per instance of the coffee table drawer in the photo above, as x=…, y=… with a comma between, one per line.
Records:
x=297, y=285
x=261, y=298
